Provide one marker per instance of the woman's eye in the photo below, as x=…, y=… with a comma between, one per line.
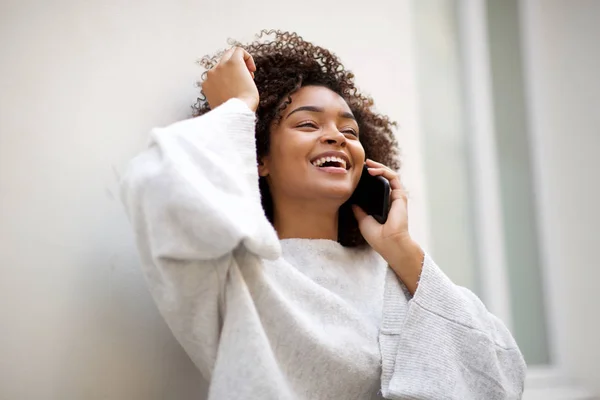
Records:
x=350, y=131
x=308, y=125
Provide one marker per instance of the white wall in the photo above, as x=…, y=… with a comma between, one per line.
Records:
x=81, y=82
x=445, y=139
x=563, y=66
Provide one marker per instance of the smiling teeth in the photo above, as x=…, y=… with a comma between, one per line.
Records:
x=321, y=161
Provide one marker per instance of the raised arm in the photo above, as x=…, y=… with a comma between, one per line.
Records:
x=193, y=195
x=193, y=199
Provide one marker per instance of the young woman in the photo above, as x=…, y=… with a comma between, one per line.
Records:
x=272, y=283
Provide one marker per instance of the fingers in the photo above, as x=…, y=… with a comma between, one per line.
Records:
x=388, y=174
x=238, y=54
x=375, y=168
x=226, y=56
x=372, y=163
x=247, y=59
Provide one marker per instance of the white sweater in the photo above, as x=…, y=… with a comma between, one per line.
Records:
x=295, y=319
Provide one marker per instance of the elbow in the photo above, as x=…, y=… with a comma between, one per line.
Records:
x=142, y=173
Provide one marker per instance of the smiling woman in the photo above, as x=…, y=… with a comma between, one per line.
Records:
x=300, y=168
x=274, y=285
x=288, y=69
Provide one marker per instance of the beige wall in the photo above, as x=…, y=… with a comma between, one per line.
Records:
x=563, y=59
x=81, y=84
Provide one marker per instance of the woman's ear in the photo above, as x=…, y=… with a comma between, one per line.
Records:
x=263, y=169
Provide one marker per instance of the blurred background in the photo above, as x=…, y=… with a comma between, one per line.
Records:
x=498, y=104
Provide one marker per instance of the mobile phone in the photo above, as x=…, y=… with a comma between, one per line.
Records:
x=372, y=195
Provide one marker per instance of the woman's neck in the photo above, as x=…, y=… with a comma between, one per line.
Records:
x=305, y=221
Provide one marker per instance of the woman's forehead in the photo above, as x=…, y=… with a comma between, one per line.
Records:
x=317, y=96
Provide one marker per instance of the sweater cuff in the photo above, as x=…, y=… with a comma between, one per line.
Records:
x=229, y=127
x=239, y=129
x=437, y=294
x=225, y=135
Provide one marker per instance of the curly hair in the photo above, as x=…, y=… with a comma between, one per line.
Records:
x=284, y=63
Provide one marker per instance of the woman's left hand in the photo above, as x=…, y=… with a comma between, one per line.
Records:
x=392, y=239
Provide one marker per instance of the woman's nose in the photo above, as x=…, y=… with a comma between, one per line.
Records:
x=333, y=136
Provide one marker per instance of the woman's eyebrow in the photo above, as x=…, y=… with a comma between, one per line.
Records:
x=347, y=115
x=343, y=114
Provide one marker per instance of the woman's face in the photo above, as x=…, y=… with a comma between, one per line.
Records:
x=315, y=153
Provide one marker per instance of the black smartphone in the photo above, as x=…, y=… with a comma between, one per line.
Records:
x=373, y=195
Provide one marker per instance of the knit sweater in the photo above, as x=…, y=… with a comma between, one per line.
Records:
x=295, y=319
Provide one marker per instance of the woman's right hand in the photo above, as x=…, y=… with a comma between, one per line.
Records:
x=231, y=78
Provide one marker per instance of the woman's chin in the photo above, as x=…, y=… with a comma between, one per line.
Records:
x=340, y=192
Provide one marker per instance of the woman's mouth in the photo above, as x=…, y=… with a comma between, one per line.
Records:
x=333, y=170
x=332, y=165
x=333, y=161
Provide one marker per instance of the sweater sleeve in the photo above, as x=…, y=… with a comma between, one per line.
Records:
x=193, y=198
x=450, y=347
